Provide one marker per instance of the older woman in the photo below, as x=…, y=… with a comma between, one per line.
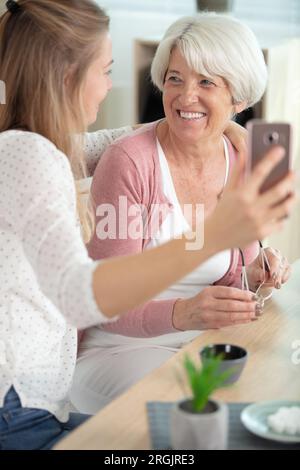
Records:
x=209, y=68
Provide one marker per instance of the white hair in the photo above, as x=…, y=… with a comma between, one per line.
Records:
x=216, y=45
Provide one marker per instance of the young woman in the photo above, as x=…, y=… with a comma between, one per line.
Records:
x=55, y=59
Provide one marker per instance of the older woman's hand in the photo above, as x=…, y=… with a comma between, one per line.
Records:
x=280, y=270
x=237, y=136
x=215, y=307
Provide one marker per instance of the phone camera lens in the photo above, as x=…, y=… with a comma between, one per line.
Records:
x=273, y=137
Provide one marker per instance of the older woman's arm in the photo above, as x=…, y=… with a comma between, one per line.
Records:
x=116, y=187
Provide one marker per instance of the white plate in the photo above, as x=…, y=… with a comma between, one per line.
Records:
x=254, y=417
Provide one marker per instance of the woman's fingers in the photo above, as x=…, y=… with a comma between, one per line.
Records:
x=244, y=214
x=234, y=306
x=272, y=220
x=279, y=269
x=240, y=316
x=283, y=210
x=283, y=273
x=264, y=167
x=286, y=274
x=230, y=318
x=274, y=260
x=224, y=292
x=279, y=192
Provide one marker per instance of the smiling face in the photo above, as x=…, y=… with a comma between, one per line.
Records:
x=196, y=107
x=98, y=81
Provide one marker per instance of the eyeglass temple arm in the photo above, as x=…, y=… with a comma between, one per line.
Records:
x=244, y=279
x=266, y=261
x=266, y=265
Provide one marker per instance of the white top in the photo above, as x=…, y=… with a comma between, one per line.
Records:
x=45, y=272
x=206, y=274
x=176, y=224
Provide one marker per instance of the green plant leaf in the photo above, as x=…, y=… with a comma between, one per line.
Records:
x=203, y=381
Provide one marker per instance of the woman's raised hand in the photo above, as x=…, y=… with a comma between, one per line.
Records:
x=244, y=214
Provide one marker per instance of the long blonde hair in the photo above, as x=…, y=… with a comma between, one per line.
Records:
x=39, y=45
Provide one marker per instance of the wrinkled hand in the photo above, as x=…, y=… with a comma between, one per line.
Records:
x=215, y=307
x=280, y=270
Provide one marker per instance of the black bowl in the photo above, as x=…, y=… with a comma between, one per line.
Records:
x=233, y=357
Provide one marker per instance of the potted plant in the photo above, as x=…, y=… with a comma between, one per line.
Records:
x=199, y=422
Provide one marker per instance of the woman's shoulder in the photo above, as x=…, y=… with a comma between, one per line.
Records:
x=25, y=145
x=139, y=140
x=135, y=151
x=19, y=141
x=19, y=135
x=29, y=153
x=232, y=152
x=231, y=149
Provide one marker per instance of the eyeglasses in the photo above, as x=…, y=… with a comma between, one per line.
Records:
x=261, y=297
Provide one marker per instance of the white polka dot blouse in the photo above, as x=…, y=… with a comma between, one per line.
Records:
x=45, y=272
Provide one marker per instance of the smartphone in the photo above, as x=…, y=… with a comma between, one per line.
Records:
x=262, y=137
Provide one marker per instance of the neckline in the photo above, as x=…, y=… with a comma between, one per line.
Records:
x=164, y=162
x=161, y=153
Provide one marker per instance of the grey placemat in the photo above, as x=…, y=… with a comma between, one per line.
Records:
x=239, y=437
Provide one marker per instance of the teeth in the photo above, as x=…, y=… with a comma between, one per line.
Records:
x=191, y=115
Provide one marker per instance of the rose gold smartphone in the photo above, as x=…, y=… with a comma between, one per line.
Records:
x=262, y=137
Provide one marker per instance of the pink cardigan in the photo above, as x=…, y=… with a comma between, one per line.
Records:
x=130, y=167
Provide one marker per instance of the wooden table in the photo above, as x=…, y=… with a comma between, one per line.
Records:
x=272, y=372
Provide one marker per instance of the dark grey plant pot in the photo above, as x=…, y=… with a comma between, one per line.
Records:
x=215, y=5
x=207, y=430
